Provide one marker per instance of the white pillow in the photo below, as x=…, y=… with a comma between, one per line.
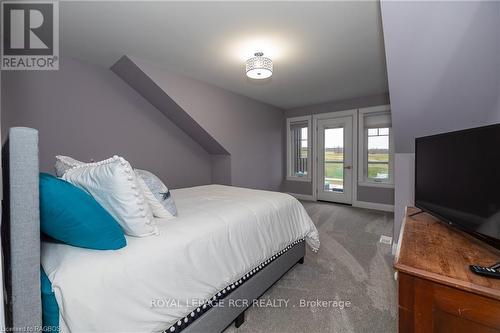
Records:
x=155, y=205
x=64, y=163
x=114, y=185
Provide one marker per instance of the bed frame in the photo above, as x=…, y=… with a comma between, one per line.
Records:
x=21, y=249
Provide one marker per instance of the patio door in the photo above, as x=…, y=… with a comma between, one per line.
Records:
x=335, y=159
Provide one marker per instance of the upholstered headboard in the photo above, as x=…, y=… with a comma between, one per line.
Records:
x=21, y=230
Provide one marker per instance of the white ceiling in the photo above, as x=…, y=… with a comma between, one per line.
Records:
x=322, y=51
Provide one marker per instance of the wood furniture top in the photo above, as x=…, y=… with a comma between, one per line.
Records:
x=435, y=251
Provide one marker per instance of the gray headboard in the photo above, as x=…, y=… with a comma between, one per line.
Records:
x=21, y=229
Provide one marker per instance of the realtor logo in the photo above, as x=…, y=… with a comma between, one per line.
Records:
x=30, y=35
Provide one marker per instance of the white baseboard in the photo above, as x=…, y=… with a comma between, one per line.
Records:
x=373, y=205
x=299, y=196
x=360, y=204
x=394, y=248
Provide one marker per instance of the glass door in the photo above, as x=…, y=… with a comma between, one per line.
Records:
x=335, y=160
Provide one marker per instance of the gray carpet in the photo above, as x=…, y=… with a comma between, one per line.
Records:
x=351, y=266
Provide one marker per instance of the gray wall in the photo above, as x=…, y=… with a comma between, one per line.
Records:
x=249, y=130
x=443, y=63
x=369, y=194
x=373, y=194
x=443, y=66
x=88, y=112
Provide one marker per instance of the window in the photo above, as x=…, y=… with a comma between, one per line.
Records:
x=376, y=147
x=299, y=148
x=378, y=154
x=334, y=159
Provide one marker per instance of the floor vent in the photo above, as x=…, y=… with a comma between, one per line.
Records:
x=386, y=240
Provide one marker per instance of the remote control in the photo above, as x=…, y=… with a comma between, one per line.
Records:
x=492, y=271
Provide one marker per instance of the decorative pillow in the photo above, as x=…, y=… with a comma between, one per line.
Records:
x=159, y=190
x=114, y=185
x=64, y=163
x=70, y=215
x=50, y=309
x=155, y=205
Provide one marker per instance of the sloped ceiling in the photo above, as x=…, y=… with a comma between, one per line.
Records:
x=131, y=73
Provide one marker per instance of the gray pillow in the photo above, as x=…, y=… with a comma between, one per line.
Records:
x=64, y=163
x=159, y=190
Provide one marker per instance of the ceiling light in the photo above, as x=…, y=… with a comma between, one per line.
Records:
x=259, y=67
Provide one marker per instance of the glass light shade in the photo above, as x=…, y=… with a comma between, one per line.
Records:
x=259, y=67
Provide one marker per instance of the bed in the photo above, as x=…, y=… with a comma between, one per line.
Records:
x=226, y=248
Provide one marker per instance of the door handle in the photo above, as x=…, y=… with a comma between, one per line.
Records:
x=348, y=167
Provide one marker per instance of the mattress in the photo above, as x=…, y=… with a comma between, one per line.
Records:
x=221, y=233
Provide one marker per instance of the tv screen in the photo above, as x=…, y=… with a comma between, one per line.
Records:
x=457, y=179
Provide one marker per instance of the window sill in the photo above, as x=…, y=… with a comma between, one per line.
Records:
x=298, y=179
x=373, y=184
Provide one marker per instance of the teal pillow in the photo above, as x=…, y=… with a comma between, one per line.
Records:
x=50, y=309
x=72, y=216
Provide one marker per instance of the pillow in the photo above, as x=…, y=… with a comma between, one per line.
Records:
x=155, y=205
x=64, y=163
x=50, y=309
x=159, y=190
x=114, y=185
x=70, y=215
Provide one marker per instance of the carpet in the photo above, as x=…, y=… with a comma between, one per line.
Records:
x=348, y=286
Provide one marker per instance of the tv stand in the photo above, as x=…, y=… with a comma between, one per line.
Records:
x=416, y=212
x=437, y=290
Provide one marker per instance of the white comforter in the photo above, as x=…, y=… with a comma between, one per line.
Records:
x=221, y=233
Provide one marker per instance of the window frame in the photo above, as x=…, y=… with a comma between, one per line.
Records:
x=363, y=179
x=289, y=165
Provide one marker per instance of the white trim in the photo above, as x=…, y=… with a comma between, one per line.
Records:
x=378, y=108
x=395, y=247
x=374, y=184
x=298, y=179
x=355, y=162
x=347, y=125
x=362, y=179
x=335, y=114
x=373, y=205
x=299, y=118
x=400, y=236
x=328, y=115
x=314, y=156
x=299, y=196
x=289, y=175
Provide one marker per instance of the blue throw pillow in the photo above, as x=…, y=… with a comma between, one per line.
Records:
x=72, y=216
x=50, y=309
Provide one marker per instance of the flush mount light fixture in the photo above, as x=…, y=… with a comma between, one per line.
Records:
x=259, y=67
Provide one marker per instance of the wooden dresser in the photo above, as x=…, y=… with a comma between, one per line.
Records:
x=437, y=291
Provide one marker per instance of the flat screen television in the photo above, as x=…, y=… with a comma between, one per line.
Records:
x=457, y=179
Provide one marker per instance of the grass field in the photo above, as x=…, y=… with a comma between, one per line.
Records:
x=377, y=170
x=335, y=171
